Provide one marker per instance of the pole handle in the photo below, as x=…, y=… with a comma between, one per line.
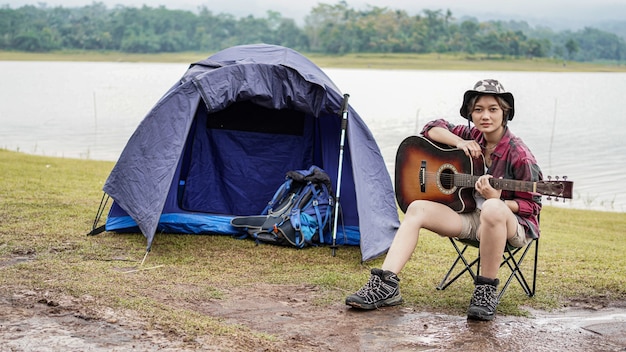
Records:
x=344, y=104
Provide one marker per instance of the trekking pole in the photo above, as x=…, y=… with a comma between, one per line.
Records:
x=344, y=124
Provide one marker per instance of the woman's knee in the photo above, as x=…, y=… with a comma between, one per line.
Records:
x=417, y=207
x=433, y=216
x=494, y=210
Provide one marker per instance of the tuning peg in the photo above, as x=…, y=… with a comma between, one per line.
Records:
x=565, y=178
x=549, y=177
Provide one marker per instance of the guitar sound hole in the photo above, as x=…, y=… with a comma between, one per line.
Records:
x=446, y=179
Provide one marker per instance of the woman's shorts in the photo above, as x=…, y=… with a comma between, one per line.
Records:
x=471, y=222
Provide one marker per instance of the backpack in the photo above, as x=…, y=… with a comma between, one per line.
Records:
x=298, y=214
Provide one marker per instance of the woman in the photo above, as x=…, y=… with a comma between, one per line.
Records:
x=500, y=216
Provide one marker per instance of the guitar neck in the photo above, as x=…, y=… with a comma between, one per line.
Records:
x=466, y=180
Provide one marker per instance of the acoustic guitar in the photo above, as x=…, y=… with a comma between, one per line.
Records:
x=430, y=171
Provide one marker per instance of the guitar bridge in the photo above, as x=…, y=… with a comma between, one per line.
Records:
x=422, y=176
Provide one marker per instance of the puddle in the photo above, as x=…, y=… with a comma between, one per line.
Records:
x=607, y=322
x=567, y=330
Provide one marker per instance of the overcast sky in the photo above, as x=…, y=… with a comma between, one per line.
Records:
x=532, y=11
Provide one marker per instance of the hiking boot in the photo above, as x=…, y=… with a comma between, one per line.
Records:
x=382, y=289
x=484, y=300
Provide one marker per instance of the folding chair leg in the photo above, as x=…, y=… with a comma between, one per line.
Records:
x=514, y=266
x=535, y=266
x=508, y=258
x=468, y=267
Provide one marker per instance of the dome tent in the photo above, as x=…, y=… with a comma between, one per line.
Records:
x=220, y=141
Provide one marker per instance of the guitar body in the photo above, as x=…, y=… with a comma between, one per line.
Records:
x=426, y=171
x=431, y=171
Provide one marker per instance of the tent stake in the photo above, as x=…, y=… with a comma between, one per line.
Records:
x=150, y=268
x=344, y=124
x=144, y=258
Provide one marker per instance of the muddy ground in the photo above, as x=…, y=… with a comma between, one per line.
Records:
x=41, y=321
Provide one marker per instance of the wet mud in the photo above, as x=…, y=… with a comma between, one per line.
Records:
x=30, y=322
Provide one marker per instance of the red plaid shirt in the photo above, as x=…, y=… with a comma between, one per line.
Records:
x=511, y=159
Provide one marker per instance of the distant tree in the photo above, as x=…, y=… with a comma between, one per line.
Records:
x=437, y=32
x=490, y=44
x=332, y=29
x=326, y=27
x=572, y=48
x=512, y=42
x=468, y=36
x=596, y=44
x=558, y=51
x=214, y=32
x=285, y=32
x=536, y=48
x=27, y=41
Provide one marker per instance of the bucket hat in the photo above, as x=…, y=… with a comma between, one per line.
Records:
x=484, y=87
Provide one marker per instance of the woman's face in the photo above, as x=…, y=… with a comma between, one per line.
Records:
x=487, y=114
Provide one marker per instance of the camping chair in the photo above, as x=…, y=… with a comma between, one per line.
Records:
x=512, y=258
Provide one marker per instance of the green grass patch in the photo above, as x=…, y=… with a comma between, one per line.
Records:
x=47, y=206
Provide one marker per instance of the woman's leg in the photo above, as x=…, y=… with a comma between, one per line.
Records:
x=497, y=225
x=383, y=287
x=420, y=214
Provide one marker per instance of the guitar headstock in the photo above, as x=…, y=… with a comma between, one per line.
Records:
x=558, y=188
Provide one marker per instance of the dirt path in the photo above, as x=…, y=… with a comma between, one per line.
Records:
x=31, y=322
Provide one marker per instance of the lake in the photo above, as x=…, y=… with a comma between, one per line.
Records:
x=574, y=123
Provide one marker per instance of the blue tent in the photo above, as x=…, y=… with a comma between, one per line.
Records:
x=220, y=141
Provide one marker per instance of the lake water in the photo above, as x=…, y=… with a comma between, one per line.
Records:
x=575, y=123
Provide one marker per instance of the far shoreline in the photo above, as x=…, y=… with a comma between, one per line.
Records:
x=382, y=61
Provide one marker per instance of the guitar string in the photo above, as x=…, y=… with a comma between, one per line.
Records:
x=467, y=180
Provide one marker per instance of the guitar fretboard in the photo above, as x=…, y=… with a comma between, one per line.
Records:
x=466, y=180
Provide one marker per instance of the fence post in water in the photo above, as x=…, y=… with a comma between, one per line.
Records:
x=95, y=112
x=552, y=138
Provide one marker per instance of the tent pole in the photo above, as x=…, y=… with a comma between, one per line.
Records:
x=103, y=203
x=344, y=125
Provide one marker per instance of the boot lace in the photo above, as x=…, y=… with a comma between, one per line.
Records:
x=485, y=296
x=376, y=290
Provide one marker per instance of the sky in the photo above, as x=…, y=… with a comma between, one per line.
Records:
x=549, y=12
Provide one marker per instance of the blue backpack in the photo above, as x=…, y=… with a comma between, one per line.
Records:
x=299, y=214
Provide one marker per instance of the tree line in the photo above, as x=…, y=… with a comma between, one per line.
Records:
x=328, y=28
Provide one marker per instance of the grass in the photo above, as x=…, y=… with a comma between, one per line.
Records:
x=357, y=60
x=47, y=205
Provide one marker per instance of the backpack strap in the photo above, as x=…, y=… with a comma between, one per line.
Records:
x=295, y=215
x=254, y=221
x=278, y=195
x=321, y=221
x=276, y=228
x=318, y=215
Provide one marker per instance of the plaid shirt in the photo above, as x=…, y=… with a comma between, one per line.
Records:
x=511, y=159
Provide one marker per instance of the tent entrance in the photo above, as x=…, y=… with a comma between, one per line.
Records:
x=234, y=159
x=249, y=117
